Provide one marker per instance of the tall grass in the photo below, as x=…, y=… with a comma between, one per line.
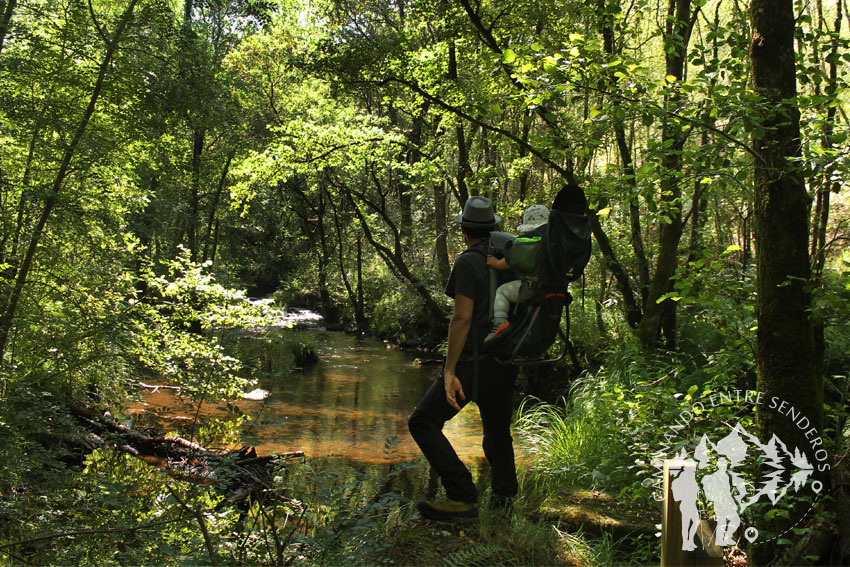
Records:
x=569, y=441
x=588, y=552
x=602, y=434
x=565, y=441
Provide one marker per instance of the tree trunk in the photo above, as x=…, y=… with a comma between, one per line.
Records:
x=441, y=229
x=7, y=8
x=412, y=157
x=11, y=256
x=195, y=193
x=825, y=184
x=240, y=473
x=699, y=199
x=392, y=257
x=626, y=156
x=352, y=296
x=215, y=234
x=211, y=222
x=324, y=294
x=699, y=204
x=786, y=357
x=464, y=170
x=523, y=153
x=318, y=211
x=188, y=8
x=632, y=309
x=359, y=306
x=677, y=36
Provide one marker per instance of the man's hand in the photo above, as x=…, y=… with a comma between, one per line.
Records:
x=453, y=389
x=458, y=331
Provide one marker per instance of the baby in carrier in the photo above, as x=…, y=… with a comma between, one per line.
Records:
x=522, y=254
x=534, y=217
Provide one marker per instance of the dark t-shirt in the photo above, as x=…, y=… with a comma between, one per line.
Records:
x=470, y=277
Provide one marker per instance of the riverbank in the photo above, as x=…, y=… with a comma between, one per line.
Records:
x=347, y=413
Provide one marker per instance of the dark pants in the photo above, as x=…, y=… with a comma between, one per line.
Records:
x=495, y=403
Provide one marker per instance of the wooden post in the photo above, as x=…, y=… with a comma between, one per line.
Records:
x=707, y=553
x=672, y=553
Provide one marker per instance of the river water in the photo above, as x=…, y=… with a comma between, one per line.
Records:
x=348, y=411
x=354, y=403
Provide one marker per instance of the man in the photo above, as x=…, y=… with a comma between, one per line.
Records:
x=469, y=373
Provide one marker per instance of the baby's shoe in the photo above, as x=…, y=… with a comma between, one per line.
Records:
x=498, y=331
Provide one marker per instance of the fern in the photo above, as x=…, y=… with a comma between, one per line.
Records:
x=480, y=556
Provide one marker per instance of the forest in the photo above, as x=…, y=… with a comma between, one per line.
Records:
x=176, y=176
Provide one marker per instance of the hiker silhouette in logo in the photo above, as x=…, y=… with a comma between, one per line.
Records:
x=469, y=373
x=718, y=489
x=685, y=490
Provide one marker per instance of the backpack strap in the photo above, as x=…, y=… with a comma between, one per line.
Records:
x=547, y=253
x=473, y=334
x=474, y=364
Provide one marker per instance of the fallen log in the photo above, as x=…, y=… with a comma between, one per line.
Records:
x=156, y=387
x=239, y=473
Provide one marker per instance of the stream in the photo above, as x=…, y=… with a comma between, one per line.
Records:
x=347, y=412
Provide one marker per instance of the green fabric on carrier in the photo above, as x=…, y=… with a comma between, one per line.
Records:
x=524, y=253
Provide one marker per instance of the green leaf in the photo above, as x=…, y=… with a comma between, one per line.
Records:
x=550, y=65
x=508, y=56
x=645, y=169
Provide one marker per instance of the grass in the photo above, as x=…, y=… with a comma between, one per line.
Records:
x=497, y=540
x=494, y=539
x=565, y=441
x=589, y=552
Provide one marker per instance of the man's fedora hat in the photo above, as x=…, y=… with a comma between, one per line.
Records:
x=478, y=213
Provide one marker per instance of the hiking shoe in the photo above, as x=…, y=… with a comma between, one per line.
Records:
x=497, y=333
x=448, y=510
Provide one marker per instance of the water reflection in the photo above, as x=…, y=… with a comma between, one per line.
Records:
x=348, y=410
x=354, y=403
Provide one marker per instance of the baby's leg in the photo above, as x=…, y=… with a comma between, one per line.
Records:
x=505, y=295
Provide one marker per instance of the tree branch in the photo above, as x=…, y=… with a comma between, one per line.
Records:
x=201, y=523
x=89, y=532
x=466, y=116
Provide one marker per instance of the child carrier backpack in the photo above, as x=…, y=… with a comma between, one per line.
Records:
x=548, y=259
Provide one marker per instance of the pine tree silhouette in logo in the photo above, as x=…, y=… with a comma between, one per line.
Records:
x=779, y=460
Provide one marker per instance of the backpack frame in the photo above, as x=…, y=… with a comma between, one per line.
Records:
x=544, y=294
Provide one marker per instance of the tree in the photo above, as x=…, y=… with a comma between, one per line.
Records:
x=22, y=273
x=787, y=357
x=677, y=35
